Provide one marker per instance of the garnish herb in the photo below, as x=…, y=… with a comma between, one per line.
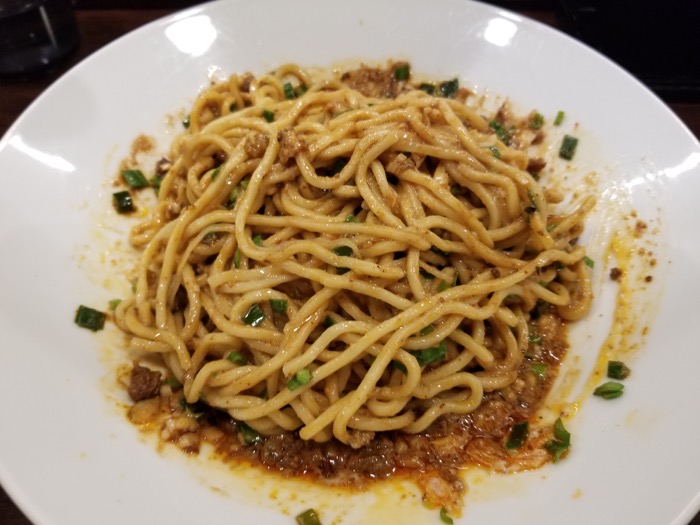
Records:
x=428, y=329
x=329, y=321
x=341, y=270
x=308, y=517
x=215, y=173
x=114, y=303
x=190, y=409
x=496, y=152
x=237, y=357
x=609, y=390
x=561, y=441
x=551, y=227
x=338, y=164
x=254, y=316
x=134, y=178
x=289, y=91
x=536, y=121
x=237, y=259
x=449, y=88
x=258, y=240
x=249, y=435
x=618, y=370
x=402, y=72
x=86, y=317
x=428, y=88
x=568, y=147
x=268, y=115
x=186, y=122
x=445, y=517
x=444, y=285
x=501, y=132
x=589, y=262
x=540, y=369
x=559, y=118
x=518, y=435
x=123, y=202
x=351, y=218
x=398, y=365
x=426, y=275
x=155, y=183
x=279, y=306
x=299, y=379
x=430, y=355
x=343, y=251
x=534, y=339
x=531, y=198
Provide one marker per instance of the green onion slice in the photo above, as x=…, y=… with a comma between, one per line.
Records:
x=123, y=202
x=589, y=262
x=250, y=436
x=449, y=88
x=279, y=306
x=268, y=115
x=609, y=390
x=518, y=435
x=343, y=251
x=254, y=316
x=430, y=355
x=237, y=358
x=568, y=147
x=135, y=178
x=618, y=370
x=444, y=517
x=308, y=517
x=559, y=118
x=89, y=318
x=403, y=72
x=299, y=379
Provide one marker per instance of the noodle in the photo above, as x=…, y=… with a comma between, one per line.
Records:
x=339, y=264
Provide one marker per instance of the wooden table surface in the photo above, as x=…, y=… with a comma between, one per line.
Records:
x=101, y=21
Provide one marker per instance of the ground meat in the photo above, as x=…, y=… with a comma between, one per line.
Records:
x=144, y=383
x=534, y=166
x=373, y=82
x=256, y=144
x=615, y=274
x=291, y=144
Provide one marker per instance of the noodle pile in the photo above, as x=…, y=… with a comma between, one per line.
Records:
x=334, y=264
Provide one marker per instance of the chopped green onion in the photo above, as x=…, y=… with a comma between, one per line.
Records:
x=289, y=91
x=536, y=121
x=518, y=435
x=134, y=178
x=444, y=517
x=618, y=370
x=561, y=441
x=123, y=202
x=172, y=382
x=343, y=251
x=250, y=436
x=215, y=173
x=398, y=365
x=559, y=118
x=329, y=321
x=568, y=147
x=428, y=329
x=609, y=390
x=155, y=183
x=237, y=259
x=403, y=72
x=308, y=517
x=191, y=409
x=531, y=198
x=589, y=262
x=444, y=285
x=500, y=131
x=428, y=88
x=279, y=306
x=341, y=270
x=534, y=339
x=496, y=152
x=237, y=358
x=430, y=355
x=254, y=316
x=268, y=115
x=449, y=88
x=86, y=317
x=540, y=369
x=114, y=303
x=551, y=227
x=186, y=122
x=351, y=218
x=299, y=379
x=258, y=240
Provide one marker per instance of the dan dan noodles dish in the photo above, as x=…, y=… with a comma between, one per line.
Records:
x=352, y=275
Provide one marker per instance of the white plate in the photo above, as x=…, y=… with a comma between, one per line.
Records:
x=67, y=454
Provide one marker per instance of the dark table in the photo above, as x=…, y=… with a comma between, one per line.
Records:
x=101, y=21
